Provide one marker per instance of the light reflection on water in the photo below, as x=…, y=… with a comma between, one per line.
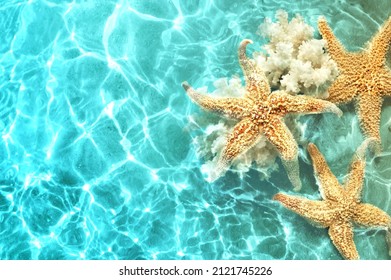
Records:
x=96, y=155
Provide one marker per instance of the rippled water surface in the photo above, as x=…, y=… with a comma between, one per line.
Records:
x=96, y=152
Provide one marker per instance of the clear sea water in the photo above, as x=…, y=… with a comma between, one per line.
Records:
x=96, y=152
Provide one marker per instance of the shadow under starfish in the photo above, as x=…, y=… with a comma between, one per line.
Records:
x=260, y=112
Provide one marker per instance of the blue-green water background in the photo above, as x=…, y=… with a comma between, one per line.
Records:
x=96, y=154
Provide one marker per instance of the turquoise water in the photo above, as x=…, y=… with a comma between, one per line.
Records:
x=96, y=155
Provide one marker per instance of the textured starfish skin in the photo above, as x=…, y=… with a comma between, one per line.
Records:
x=363, y=77
x=260, y=112
x=341, y=206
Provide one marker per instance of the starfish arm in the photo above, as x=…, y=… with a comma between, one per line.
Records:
x=355, y=179
x=385, y=83
x=244, y=135
x=285, y=102
x=316, y=211
x=380, y=44
x=280, y=136
x=371, y=216
x=293, y=172
x=342, y=90
x=368, y=111
x=342, y=236
x=232, y=107
x=329, y=186
x=334, y=46
x=257, y=84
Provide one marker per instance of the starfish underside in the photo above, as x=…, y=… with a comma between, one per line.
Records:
x=363, y=77
x=260, y=112
x=341, y=206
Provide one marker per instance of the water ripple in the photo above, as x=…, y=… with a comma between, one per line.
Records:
x=97, y=157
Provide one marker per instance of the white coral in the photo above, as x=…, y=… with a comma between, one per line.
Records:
x=295, y=31
x=231, y=88
x=294, y=61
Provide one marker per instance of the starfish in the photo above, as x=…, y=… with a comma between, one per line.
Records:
x=341, y=206
x=363, y=77
x=260, y=112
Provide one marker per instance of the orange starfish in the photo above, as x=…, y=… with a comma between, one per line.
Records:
x=363, y=76
x=260, y=112
x=341, y=206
